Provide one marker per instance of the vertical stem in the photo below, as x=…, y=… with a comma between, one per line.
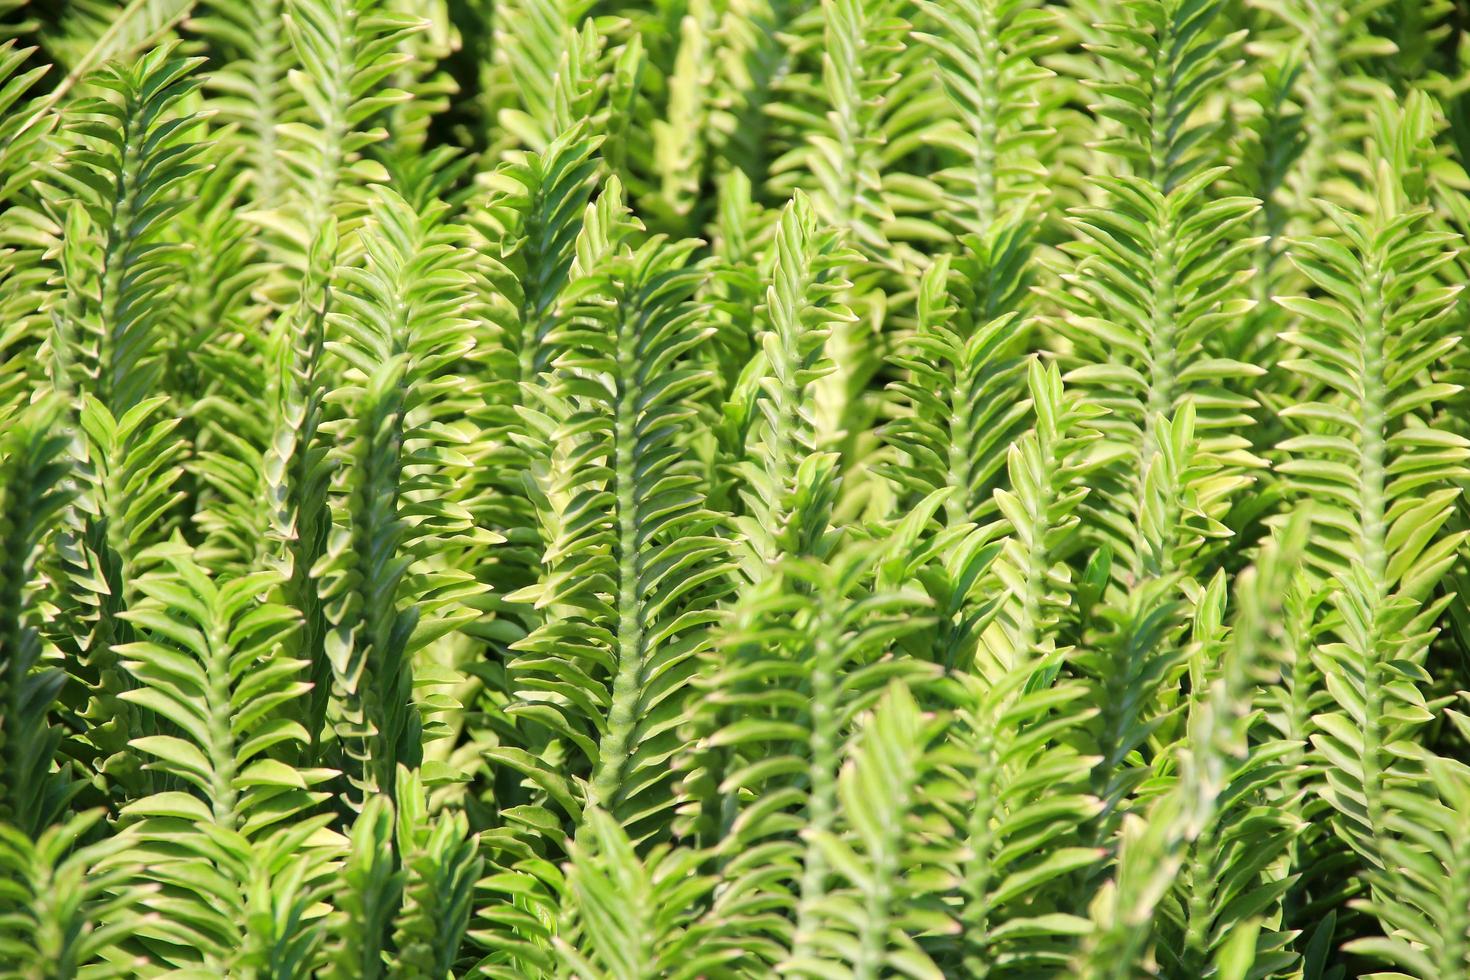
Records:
x=822, y=802
x=1374, y=449
x=627, y=684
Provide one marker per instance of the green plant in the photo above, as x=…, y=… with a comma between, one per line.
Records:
x=734, y=488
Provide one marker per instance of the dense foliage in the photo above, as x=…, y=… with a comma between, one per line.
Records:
x=734, y=488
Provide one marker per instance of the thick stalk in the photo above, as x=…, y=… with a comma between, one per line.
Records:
x=822, y=778
x=1374, y=557
x=615, y=747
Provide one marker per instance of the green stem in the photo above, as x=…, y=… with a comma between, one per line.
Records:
x=980, y=871
x=983, y=153
x=615, y=747
x=221, y=745
x=822, y=778
x=1374, y=450
x=265, y=77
